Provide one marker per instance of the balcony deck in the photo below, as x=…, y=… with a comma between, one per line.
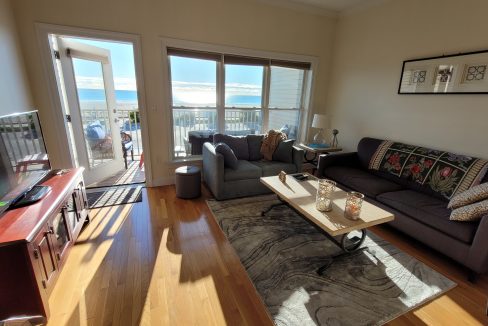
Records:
x=133, y=174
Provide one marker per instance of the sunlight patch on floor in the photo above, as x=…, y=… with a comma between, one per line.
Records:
x=447, y=305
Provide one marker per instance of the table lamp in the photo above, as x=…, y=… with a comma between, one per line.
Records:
x=320, y=122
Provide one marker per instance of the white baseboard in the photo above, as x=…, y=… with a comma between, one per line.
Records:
x=162, y=181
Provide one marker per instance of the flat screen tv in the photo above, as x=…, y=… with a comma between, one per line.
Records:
x=24, y=161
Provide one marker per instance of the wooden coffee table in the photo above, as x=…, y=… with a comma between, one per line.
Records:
x=300, y=195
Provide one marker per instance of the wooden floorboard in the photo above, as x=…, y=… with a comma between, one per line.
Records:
x=165, y=261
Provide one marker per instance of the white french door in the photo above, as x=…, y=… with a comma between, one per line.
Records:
x=90, y=92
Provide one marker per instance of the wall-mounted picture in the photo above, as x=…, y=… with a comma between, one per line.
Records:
x=464, y=73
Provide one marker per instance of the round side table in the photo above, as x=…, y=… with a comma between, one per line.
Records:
x=187, y=182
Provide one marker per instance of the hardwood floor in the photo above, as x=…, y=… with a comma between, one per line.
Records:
x=165, y=262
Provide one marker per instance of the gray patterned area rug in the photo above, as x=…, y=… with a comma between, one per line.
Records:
x=282, y=252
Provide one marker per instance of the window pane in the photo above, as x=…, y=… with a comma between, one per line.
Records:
x=191, y=128
x=193, y=82
x=95, y=115
x=242, y=122
x=286, y=121
x=243, y=86
x=285, y=88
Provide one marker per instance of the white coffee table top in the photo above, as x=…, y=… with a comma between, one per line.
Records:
x=301, y=196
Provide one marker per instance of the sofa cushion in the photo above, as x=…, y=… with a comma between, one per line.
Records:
x=430, y=211
x=244, y=170
x=254, y=145
x=230, y=159
x=237, y=143
x=360, y=180
x=270, y=168
x=284, y=151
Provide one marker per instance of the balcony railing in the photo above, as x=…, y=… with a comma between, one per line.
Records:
x=192, y=127
x=128, y=122
x=191, y=121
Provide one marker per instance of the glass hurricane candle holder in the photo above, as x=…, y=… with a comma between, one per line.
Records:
x=323, y=202
x=354, y=201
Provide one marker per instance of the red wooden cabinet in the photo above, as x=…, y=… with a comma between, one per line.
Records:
x=44, y=257
x=60, y=234
x=34, y=243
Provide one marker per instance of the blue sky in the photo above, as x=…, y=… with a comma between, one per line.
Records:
x=204, y=71
x=187, y=70
x=122, y=63
x=194, y=80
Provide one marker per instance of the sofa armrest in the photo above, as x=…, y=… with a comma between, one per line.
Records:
x=297, y=158
x=342, y=159
x=478, y=253
x=213, y=169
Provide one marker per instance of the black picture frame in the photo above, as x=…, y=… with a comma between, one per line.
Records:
x=461, y=73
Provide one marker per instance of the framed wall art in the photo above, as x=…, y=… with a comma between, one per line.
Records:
x=463, y=73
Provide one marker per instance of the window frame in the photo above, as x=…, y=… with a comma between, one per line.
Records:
x=274, y=57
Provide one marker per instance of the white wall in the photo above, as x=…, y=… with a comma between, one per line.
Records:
x=239, y=23
x=370, y=47
x=14, y=91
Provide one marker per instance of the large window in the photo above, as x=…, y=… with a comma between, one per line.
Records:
x=243, y=98
x=213, y=92
x=285, y=99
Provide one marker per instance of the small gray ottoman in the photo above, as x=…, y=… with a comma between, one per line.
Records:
x=187, y=182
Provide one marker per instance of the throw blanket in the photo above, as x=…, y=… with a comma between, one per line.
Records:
x=270, y=141
x=445, y=173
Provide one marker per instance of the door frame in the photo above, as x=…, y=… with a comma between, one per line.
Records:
x=57, y=102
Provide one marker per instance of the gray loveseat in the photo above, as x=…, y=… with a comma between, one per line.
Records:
x=419, y=212
x=226, y=183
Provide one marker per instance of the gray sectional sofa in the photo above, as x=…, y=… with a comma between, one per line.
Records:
x=419, y=212
x=225, y=182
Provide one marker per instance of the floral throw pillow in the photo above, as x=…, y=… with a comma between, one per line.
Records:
x=445, y=173
x=469, y=196
x=471, y=212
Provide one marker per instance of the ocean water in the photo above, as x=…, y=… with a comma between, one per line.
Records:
x=99, y=95
x=243, y=100
x=131, y=96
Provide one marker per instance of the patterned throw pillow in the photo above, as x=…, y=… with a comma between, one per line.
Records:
x=469, y=196
x=445, y=173
x=471, y=212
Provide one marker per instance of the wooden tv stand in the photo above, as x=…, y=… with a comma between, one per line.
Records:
x=34, y=243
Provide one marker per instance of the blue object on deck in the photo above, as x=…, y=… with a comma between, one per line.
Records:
x=95, y=130
x=318, y=145
x=132, y=126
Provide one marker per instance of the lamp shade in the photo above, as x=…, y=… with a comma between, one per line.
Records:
x=320, y=121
